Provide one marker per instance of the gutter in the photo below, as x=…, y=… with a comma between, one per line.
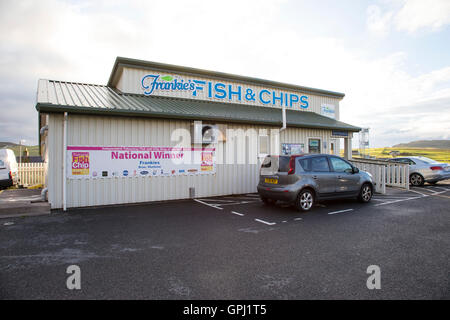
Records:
x=51, y=108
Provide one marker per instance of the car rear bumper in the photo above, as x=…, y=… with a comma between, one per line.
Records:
x=6, y=183
x=277, y=193
x=438, y=177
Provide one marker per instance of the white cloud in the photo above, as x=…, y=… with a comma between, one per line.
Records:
x=410, y=16
x=378, y=23
x=419, y=14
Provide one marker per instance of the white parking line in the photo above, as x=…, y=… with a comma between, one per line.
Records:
x=298, y=219
x=265, y=222
x=391, y=198
x=241, y=198
x=400, y=200
x=207, y=204
x=446, y=189
x=233, y=203
x=340, y=211
x=215, y=200
x=239, y=214
x=425, y=195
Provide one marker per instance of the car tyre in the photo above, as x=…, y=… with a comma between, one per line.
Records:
x=305, y=200
x=416, y=180
x=366, y=193
x=268, y=202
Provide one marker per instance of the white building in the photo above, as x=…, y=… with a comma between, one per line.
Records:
x=129, y=141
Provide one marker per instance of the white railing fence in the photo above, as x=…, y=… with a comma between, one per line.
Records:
x=31, y=173
x=385, y=173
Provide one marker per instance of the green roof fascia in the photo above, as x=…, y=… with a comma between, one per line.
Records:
x=44, y=107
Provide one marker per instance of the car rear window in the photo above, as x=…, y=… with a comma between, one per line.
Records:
x=267, y=162
x=2, y=164
x=284, y=164
x=427, y=160
x=316, y=164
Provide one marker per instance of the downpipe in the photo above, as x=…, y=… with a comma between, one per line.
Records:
x=283, y=115
x=44, y=194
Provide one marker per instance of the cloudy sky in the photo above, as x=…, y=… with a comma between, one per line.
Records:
x=390, y=57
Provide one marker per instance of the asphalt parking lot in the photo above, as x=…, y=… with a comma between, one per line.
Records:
x=234, y=248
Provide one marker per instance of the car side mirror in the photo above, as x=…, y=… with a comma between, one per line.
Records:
x=355, y=170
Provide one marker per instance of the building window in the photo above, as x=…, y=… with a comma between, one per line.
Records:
x=314, y=146
x=263, y=145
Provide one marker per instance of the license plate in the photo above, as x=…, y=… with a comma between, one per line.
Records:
x=273, y=181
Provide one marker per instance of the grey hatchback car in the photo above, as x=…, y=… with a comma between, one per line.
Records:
x=307, y=178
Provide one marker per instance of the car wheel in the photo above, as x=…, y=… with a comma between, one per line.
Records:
x=305, y=200
x=366, y=192
x=416, y=180
x=268, y=202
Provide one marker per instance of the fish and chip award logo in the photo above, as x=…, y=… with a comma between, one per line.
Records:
x=80, y=163
x=207, y=161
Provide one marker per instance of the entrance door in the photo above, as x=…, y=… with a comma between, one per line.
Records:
x=313, y=145
x=333, y=147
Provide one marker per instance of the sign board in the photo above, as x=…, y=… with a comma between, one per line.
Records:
x=338, y=133
x=160, y=84
x=328, y=110
x=101, y=162
x=292, y=148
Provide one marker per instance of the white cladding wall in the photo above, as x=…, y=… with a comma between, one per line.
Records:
x=130, y=82
x=121, y=131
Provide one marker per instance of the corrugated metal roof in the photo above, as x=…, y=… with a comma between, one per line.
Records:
x=60, y=96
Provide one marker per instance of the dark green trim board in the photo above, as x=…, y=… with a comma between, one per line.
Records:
x=172, y=108
x=60, y=96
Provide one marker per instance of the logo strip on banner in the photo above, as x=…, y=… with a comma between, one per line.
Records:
x=96, y=162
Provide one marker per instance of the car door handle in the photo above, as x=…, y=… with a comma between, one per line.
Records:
x=314, y=177
x=339, y=177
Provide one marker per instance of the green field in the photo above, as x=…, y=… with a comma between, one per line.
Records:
x=32, y=150
x=441, y=155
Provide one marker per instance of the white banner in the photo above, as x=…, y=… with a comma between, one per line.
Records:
x=105, y=162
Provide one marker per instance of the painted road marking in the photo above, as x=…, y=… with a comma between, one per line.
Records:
x=340, y=211
x=423, y=194
x=239, y=214
x=215, y=200
x=233, y=203
x=441, y=195
x=400, y=200
x=297, y=219
x=412, y=198
x=207, y=204
x=446, y=189
x=265, y=222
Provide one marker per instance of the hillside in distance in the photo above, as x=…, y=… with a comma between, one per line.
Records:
x=439, y=144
